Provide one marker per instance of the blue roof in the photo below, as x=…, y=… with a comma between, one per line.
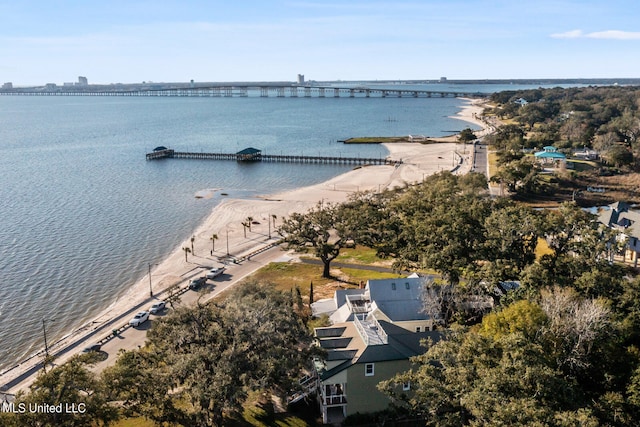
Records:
x=249, y=150
x=550, y=155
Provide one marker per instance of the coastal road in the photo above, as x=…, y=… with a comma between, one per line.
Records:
x=480, y=160
x=130, y=338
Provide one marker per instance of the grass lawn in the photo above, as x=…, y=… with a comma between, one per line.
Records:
x=583, y=165
x=542, y=248
x=361, y=255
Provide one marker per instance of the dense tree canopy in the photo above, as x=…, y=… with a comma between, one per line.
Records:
x=200, y=364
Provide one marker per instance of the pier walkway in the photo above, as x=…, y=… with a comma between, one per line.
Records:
x=258, y=157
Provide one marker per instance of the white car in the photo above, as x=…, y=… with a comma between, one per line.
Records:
x=139, y=318
x=157, y=307
x=215, y=272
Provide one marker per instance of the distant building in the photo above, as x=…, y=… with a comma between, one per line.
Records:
x=7, y=85
x=443, y=79
x=50, y=86
x=300, y=79
x=550, y=154
x=82, y=81
x=620, y=216
x=67, y=84
x=586, y=154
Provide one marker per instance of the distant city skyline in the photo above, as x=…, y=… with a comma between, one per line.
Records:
x=206, y=41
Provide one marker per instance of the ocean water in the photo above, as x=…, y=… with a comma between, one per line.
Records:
x=82, y=212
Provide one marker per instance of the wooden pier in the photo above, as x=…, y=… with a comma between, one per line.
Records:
x=259, y=157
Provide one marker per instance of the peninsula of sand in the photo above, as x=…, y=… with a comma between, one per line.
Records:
x=225, y=221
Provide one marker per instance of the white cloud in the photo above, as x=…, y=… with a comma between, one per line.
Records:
x=615, y=35
x=603, y=35
x=575, y=34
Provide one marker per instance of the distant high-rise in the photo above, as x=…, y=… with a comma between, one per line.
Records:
x=82, y=81
x=300, y=79
x=443, y=79
x=7, y=85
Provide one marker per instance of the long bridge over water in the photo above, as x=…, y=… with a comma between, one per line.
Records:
x=254, y=155
x=282, y=91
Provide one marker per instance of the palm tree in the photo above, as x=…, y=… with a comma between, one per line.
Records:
x=244, y=228
x=249, y=220
x=186, y=252
x=274, y=216
x=213, y=239
x=192, y=240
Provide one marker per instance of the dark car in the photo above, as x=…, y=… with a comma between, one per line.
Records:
x=197, y=283
x=92, y=348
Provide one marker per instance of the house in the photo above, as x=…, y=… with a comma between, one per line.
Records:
x=374, y=333
x=550, y=154
x=586, y=154
x=620, y=216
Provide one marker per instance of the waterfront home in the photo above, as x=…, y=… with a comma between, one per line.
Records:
x=374, y=333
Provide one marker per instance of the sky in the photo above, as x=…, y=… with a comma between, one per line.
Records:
x=130, y=41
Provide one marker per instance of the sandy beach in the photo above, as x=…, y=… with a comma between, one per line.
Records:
x=418, y=161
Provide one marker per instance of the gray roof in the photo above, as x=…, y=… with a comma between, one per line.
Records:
x=621, y=216
x=402, y=345
x=399, y=299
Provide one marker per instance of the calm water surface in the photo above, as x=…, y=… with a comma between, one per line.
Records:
x=82, y=212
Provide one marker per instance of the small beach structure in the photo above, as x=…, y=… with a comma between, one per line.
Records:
x=550, y=154
x=249, y=155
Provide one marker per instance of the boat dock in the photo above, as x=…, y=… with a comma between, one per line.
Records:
x=255, y=155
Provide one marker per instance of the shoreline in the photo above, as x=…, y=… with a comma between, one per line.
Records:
x=225, y=220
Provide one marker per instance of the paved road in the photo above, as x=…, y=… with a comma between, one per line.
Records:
x=130, y=338
x=480, y=163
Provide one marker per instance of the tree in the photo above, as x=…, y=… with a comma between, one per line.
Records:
x=512, y=235
x=310, y=294
x=193, y=238
x=203, y=362
x=248, y=221
x=531, y=363
x=71, y=383
x=466, y=135
x=619, y=155
x=325, y=229
x=187, y=251
x=213, y=239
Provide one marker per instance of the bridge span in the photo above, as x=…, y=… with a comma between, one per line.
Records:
x=247, y=91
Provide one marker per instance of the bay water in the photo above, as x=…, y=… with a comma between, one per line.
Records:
x=82, y=212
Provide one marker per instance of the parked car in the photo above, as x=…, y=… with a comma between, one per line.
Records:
x=157, y=307
x=215, y=272
x=196, y=283
x=139, y=318
x=92, y=348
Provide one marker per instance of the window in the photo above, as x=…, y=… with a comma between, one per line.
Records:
x=406, y=386
x=417, y=328
x=406, y=285
x=393, y=286
x=368, y=370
